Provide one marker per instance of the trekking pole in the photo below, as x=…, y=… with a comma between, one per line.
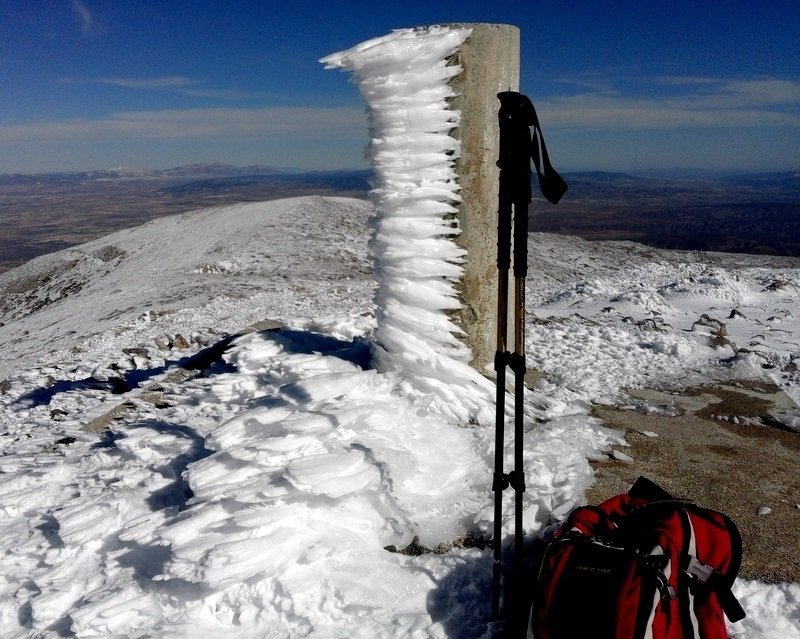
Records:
x=517, y=148
x=515, y=173
x=500, y=479
x=518, y=119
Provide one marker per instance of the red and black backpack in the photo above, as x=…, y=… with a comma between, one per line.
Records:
x=638, y=566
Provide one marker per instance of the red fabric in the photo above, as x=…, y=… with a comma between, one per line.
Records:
x=713, y=549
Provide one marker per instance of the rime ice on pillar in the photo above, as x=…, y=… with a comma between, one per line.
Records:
x=403, y=77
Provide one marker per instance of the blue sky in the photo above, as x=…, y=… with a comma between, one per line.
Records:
x=619, y=85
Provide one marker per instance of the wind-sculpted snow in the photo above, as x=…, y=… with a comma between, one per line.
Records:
x=621, y=316
x=254, y=498
x=263, y=498
x=403, y=77
x=166, y=474
x=320, y=471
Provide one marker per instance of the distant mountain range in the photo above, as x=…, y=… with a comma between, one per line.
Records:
x=327, y=180
x=221, y=175
x=216, y=169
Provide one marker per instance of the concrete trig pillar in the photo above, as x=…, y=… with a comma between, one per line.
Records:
x=490, y=62
x=426, y=267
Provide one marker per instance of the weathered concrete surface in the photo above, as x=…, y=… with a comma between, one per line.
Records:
x=703, y=455
x=490, y=62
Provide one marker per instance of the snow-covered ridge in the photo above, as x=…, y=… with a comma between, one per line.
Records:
x=210, y=258
x=403, y=77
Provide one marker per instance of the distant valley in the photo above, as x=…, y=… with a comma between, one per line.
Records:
x=51, y=211
x=757, y=213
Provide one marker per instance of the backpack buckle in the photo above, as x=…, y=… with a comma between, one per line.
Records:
x=656, y=562
x=664, y=587
x=698, y=570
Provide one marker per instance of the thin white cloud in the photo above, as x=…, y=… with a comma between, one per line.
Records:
x=221, y=94
x=183, y=85
x=594, y=82
x=284, y=123
x=755, y=92
x=697, y=102
x=84, y=15
x=160, y=82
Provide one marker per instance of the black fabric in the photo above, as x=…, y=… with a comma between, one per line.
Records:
x=729, y=603
x=551, y=184
x=517, y=114
x=644, y=488
x=585, y=602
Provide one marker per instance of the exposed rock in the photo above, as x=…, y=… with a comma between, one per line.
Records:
x=39, y=285
x=718, y=329
x=109, y=253
x=654, y=324
x=778, y=285
x=720, y=464
x=265, y=325
x=415, y=548
x=141, y=352
x=180, y=342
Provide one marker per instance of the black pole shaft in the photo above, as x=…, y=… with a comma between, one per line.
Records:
x=519, y=367
x=500, y=480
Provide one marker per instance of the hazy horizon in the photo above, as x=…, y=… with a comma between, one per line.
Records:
x=634, y=171
x=618, y=87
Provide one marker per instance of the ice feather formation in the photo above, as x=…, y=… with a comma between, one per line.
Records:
x=403, y=78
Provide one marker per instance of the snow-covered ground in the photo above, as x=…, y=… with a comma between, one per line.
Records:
x=252, y=493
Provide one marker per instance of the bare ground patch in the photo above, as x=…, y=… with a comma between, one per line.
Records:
x=719, y=446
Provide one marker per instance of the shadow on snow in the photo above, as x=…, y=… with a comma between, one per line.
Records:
x=208, y=360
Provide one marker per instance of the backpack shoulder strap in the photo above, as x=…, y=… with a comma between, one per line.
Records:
x=708, y=577
x=718, y=583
